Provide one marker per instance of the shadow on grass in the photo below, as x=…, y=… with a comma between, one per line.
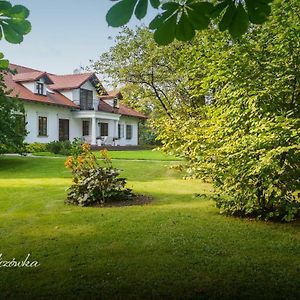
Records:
x=152, y=253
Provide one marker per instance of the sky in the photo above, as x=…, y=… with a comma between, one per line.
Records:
x=65, y=34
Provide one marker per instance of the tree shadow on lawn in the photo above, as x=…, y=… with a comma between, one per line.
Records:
x=154, y=254
x=28, y=167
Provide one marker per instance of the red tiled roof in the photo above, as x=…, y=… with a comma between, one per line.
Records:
x=67, y=82
x=122, y=110
x=29, y=76
x=112, y=95
x=18, y=90
x=22, y=69
x=61, y=82
x=127, y=111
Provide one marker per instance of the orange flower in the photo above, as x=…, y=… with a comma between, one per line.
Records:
x=69, y=162
x=80, y=160
x=104, y=154
x=86, y=147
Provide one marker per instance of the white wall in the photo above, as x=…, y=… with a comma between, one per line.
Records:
x=111, y=127
x=53, y=114
x=30, y=86
x=73, y=95
x=68, y=94
x=129, y=121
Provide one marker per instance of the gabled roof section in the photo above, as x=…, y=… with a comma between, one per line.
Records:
x=112, y=95
x=62, y=82
x=22, y=69
x=73, y=81
x=18, y=90
x=32, y=76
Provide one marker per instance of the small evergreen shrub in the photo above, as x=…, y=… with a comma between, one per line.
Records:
x=93, y=183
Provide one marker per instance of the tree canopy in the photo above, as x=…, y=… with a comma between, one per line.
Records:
x=231, y=107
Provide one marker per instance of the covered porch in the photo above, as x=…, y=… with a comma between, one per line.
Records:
x=99, y=128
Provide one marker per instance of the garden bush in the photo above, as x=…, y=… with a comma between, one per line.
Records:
x=35, y=147
x=93, y=183
x=60, y=147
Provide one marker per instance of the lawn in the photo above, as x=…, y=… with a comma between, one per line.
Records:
x=177, y=247
x=131, y=155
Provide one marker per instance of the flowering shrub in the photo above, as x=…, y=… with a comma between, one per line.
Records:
x=93, y=183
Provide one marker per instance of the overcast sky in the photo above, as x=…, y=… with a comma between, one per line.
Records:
x=65, y=34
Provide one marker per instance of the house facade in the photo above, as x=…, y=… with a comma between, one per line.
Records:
x=65, y=107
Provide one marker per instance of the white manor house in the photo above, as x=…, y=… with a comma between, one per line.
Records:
x=65, y=107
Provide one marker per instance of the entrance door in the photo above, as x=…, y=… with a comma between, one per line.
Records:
x=64, y=129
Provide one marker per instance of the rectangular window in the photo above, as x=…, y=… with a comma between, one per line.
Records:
x=43, y=126
x=20, y=125
x=128, y=132
x=63, y=129
x=120, y=131
x=86, y=99
x=40, y=88
x=85, y=128
x=104, y=129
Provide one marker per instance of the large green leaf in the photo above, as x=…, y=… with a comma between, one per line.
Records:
x=5, y=5
x=199, y=21
x=216, y=11
x=202, y=8
x=165, y=34
x=258, y=11
x=121, y=13
x=240, y=22
x=141, y=9
x=20, y=26
x=227, y=17
x=160, y=19
x=155, y=3
x=11, y=35
x=4, y=64
x=184, y=29
x=19, y=12
x=13, y=23
x=170, y=6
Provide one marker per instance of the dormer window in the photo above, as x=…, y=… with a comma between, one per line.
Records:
x=40, y=88
x=116, y=103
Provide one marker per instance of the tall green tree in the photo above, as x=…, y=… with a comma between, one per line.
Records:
x=248, y=139
x=13, y=26
x=237, y=121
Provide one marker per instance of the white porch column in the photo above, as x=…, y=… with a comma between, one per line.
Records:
x=116, y=135
x=116, y=129
x=94, y=131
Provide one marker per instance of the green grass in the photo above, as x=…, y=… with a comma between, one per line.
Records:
x=178, y=247
x=129, y=155
x=141, y=155
x=48, y=154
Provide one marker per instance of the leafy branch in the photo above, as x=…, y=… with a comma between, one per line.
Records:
x=181, y=19
x=13, y=26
